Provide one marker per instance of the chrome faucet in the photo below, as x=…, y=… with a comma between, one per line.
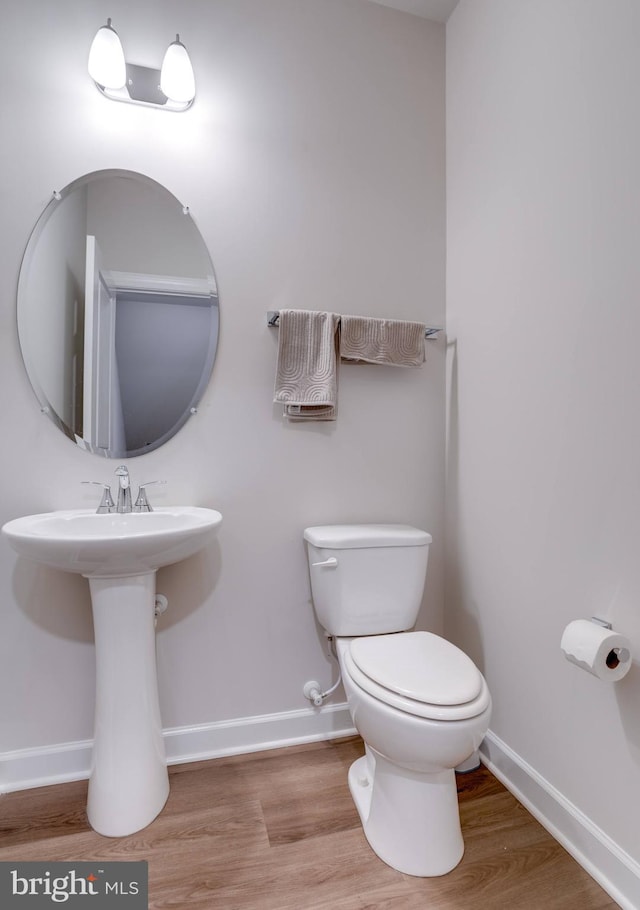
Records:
x=142, y=503
x=124, y=491
x=107, y=505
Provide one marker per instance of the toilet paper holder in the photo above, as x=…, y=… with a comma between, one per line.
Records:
x=616, y=655
x=593, y=645
x=601, y=622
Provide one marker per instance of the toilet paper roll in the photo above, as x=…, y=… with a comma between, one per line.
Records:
x=598, y=650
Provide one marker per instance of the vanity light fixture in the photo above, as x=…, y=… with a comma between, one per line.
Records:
x=107, y=65
x=176, y=76
x=171, y=88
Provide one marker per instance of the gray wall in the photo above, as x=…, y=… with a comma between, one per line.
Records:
x=544, y=437
x=317, y=181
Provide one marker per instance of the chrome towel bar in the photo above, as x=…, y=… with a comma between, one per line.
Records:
x=273, y=317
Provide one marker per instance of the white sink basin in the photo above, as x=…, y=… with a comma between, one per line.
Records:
x=119, y=554
x=113, y=545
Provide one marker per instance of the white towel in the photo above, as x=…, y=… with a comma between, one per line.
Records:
x=388, y=342
x=307, y=369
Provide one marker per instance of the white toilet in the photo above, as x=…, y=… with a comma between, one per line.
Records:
x=419, y=703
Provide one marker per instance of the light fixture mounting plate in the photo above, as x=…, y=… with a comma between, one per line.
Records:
x=143, y=87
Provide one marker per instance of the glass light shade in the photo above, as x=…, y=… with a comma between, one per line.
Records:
x=176, y=77
x=106, y=58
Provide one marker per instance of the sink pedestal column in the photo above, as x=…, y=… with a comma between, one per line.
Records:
x=129, y=783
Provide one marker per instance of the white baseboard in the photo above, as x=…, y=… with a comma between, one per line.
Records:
x=41, y=767
x=255, y=734
x=606, y=862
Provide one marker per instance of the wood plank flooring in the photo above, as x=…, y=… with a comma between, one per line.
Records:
x=278, y=831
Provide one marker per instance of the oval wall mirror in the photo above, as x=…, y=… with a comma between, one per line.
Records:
x=117, y=313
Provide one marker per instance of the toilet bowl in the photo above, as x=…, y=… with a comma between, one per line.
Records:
x=419, y=703
x=404, y=786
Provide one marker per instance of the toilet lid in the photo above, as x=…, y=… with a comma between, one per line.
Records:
x=418, y=665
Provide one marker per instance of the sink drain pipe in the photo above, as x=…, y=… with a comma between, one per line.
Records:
x=160, y=606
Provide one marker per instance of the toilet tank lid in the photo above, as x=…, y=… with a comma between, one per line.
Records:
x=344, y=537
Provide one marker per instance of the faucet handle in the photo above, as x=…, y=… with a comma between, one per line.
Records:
x=106, y=503
x=142, y=503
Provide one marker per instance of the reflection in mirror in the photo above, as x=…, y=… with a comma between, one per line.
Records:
x=117, y=313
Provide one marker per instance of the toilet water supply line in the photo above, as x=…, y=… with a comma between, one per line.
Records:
x=311, y=689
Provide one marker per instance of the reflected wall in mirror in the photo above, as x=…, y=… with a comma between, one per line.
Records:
x=117, y=313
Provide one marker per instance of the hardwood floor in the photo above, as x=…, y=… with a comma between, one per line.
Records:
x=278, y=831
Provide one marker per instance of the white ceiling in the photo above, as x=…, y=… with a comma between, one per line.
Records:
x=440, y=10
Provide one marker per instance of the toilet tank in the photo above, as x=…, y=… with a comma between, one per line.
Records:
x=367, y=579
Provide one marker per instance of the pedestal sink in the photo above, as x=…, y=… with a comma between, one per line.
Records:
x=119, y=554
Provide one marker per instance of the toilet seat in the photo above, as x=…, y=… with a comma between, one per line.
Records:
x=419, y=673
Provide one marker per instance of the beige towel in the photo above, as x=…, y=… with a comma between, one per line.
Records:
x=390, y=342
x=307, y=368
